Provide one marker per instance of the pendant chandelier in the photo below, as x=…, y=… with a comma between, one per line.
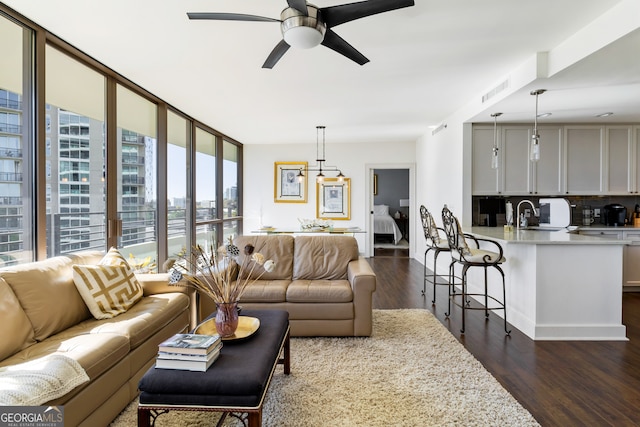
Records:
x=494, y=156
x=320, y=165
x=534, y=154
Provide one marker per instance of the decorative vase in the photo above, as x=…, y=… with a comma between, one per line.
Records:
x=227, y=318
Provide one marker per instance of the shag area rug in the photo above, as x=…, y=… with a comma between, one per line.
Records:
x=410, y=372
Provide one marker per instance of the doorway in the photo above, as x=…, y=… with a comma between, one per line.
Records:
x=391, y=210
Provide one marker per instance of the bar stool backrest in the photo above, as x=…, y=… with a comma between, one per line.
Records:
x=452, y=229
x=430, y=228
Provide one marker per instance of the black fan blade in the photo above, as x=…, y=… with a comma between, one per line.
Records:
x=340, y=45
x=299, y=5
x=336, y=15
x=229, y=17
x=275, y=55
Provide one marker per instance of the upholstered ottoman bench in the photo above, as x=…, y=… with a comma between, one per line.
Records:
x=236, y=383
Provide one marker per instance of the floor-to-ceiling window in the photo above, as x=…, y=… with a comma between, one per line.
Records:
x=230, y=199
x=75, y=155
x=137, y=174
x=178, y=132
x=205, y=189
x=80, y=159
x=16, y=203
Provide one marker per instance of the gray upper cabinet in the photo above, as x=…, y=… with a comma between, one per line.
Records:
x=485, y=179
x=619, y=160
x=635, y=159
x=574, y=160
x=583, y=170
x=547, y=172
x=516, y=175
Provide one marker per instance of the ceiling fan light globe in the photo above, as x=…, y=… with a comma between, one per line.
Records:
x=302, y=31
x=303, y=37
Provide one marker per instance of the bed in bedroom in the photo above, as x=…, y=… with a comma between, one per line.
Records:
x=384, y=226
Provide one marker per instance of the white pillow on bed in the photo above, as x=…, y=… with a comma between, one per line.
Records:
x=381, y=210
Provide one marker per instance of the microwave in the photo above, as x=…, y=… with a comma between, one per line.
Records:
x=555, y=213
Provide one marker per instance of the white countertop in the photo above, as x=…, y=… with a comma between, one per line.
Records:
x=602, y=227
x=542, y=237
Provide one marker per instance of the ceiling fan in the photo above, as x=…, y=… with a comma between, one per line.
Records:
x=304, y=25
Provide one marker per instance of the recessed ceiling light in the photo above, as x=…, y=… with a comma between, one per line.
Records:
x=543, y=115
x=604, y=114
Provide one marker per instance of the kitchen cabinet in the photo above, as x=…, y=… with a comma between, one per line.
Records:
x=547, y=172
x=618, y=176
x=516, y=175
x=484, y=178
x=635, y=158
x=583, y=159
x=515, y=172
x=574, y=160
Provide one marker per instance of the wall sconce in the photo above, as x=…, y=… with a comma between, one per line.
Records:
x=534, y=154
x=494, y=155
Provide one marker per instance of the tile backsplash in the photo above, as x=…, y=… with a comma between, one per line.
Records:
x=495, y=204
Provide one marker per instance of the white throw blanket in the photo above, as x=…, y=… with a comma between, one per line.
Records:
x=41, y=380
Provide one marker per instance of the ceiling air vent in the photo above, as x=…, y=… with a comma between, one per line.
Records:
x=496, y=90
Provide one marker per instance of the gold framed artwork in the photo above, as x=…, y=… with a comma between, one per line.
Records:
x=375, y=184
x=287, y=188
x=333, y=199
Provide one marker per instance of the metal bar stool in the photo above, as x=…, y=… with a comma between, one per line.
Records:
x=468, y=257
x=434, y=243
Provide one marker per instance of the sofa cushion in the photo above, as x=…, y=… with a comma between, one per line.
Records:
x=13, y=319
x=47, y=294
x=323, y=257
x=96, y=353
x=108, y=290
x=144, y=319
x=266, y=291
x=276, y=247
x=321, y=291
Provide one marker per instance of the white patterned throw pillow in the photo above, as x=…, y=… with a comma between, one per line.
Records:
x=108, y=289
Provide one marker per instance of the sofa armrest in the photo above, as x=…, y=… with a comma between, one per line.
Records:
x=159, y=284
x=363, y=284
x=153, y=284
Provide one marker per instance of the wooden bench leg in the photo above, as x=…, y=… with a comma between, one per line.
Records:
x=255, y=418
x=144, y=415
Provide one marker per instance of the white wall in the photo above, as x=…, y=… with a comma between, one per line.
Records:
x=259, y=205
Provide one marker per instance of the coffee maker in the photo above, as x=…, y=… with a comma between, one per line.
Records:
x=614, y=214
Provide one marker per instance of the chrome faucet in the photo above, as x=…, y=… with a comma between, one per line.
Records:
x=518, y=211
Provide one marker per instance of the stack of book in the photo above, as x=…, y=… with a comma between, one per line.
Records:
x=190, y=352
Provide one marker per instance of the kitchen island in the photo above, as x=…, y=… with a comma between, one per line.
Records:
x=561, y=285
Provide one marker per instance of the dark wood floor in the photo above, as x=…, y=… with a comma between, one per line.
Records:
x=562, y=383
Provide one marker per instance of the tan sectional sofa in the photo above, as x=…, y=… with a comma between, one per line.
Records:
x=45, y=314
x=320, y=280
